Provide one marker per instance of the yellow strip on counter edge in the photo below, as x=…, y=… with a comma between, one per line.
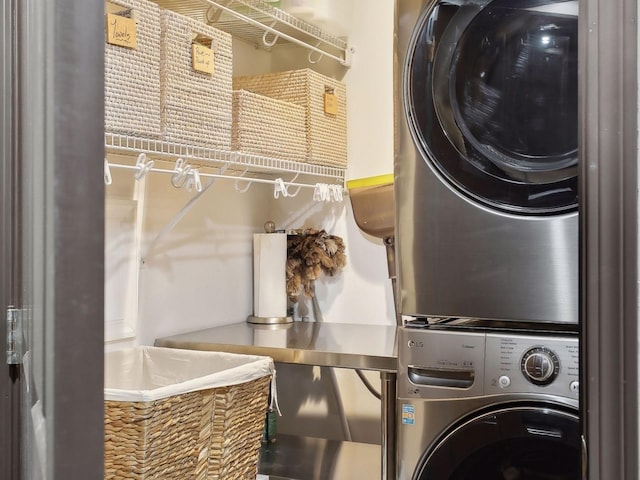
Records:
x=370, y=181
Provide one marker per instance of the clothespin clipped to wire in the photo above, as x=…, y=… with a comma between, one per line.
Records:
x=193, y=180
x=108, y=180
x=321, y=193
x=181, y=172
x=337, y=193
x=279, y=188
x=143, y=166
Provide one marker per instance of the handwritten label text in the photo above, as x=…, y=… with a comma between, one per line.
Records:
x=202, y=59
x=121, y=31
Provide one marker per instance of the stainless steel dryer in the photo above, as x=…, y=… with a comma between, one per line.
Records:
x=487, y=405
x=486, y=159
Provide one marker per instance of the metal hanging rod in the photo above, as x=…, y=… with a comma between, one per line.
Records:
x=219, y=175
x=184, y=174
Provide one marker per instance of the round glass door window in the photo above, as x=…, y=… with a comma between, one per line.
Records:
x=511, y=444
x=491, y=94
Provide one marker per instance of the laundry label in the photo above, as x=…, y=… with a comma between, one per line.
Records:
x=330, y=103
x=121, y=31
x=202, y=59
x=408, y=414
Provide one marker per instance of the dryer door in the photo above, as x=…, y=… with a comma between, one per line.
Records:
x=491, y=94
x=524, y=443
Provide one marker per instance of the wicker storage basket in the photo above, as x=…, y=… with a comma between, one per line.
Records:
x=326, y=133
x=268, y=127
x=182, y=414
x=196, y=106
x=132, y=76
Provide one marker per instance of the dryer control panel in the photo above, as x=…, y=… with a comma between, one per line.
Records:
x=455, y=364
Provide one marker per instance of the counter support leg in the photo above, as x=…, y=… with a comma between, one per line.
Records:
x=388, y=422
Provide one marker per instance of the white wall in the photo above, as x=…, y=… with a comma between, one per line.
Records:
x=185, y=283
x=199, y=275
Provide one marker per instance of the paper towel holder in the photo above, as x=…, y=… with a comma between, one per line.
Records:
x=269, y=227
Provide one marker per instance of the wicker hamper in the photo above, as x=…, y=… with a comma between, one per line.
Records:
x=196, y=106
x=326, y=133
x=268, y=127
x=183, y=414
x=132, y=76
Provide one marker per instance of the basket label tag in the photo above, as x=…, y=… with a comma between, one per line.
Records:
x=121, y=31
x=330, y=103
x=202, y=58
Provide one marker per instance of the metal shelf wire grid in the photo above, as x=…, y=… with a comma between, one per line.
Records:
x=207, y=157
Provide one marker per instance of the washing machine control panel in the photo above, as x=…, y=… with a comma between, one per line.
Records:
x=453, y=364
x=536, y=364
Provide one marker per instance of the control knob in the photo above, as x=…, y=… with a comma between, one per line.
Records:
x=540, y=365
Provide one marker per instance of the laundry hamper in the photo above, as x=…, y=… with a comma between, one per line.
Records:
x=326, y=130
x=268, y=127
x=184, y=414
x=196, y=105
x=132, y=75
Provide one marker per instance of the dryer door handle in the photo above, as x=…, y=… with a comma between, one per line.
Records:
x=441, y=377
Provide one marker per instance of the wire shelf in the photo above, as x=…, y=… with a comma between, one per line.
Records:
x=262, y=25
x=207, y=157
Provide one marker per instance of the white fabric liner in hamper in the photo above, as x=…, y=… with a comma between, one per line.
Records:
x=144, y=374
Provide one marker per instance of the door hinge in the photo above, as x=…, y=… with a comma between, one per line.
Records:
x=14, y=336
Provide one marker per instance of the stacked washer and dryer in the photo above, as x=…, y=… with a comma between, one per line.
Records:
x=487, y=240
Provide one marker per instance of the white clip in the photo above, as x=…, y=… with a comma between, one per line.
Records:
x=143, y=166
x=181, y=171
x=326, y=192
x=321, y=192
x=193, y=180
x=324, y=195
x=337, y=192
x=279, y=188
x=108, y=180
x=317, y=194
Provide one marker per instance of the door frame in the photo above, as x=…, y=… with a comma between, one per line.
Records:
x=76, y=381
x=10, y=411
x=65, y=43
x=609, y=238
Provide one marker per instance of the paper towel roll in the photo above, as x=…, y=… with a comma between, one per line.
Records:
x=269, y=275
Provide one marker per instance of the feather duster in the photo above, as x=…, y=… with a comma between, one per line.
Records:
x=310, y=253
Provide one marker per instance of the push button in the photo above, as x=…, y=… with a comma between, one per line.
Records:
x=504, y=381
x=574, y=386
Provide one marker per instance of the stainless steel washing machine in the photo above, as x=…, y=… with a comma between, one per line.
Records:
x=486, y=159
x=476, y=404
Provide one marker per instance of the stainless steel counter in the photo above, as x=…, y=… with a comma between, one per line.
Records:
x=366, y=347
x=342, y=345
